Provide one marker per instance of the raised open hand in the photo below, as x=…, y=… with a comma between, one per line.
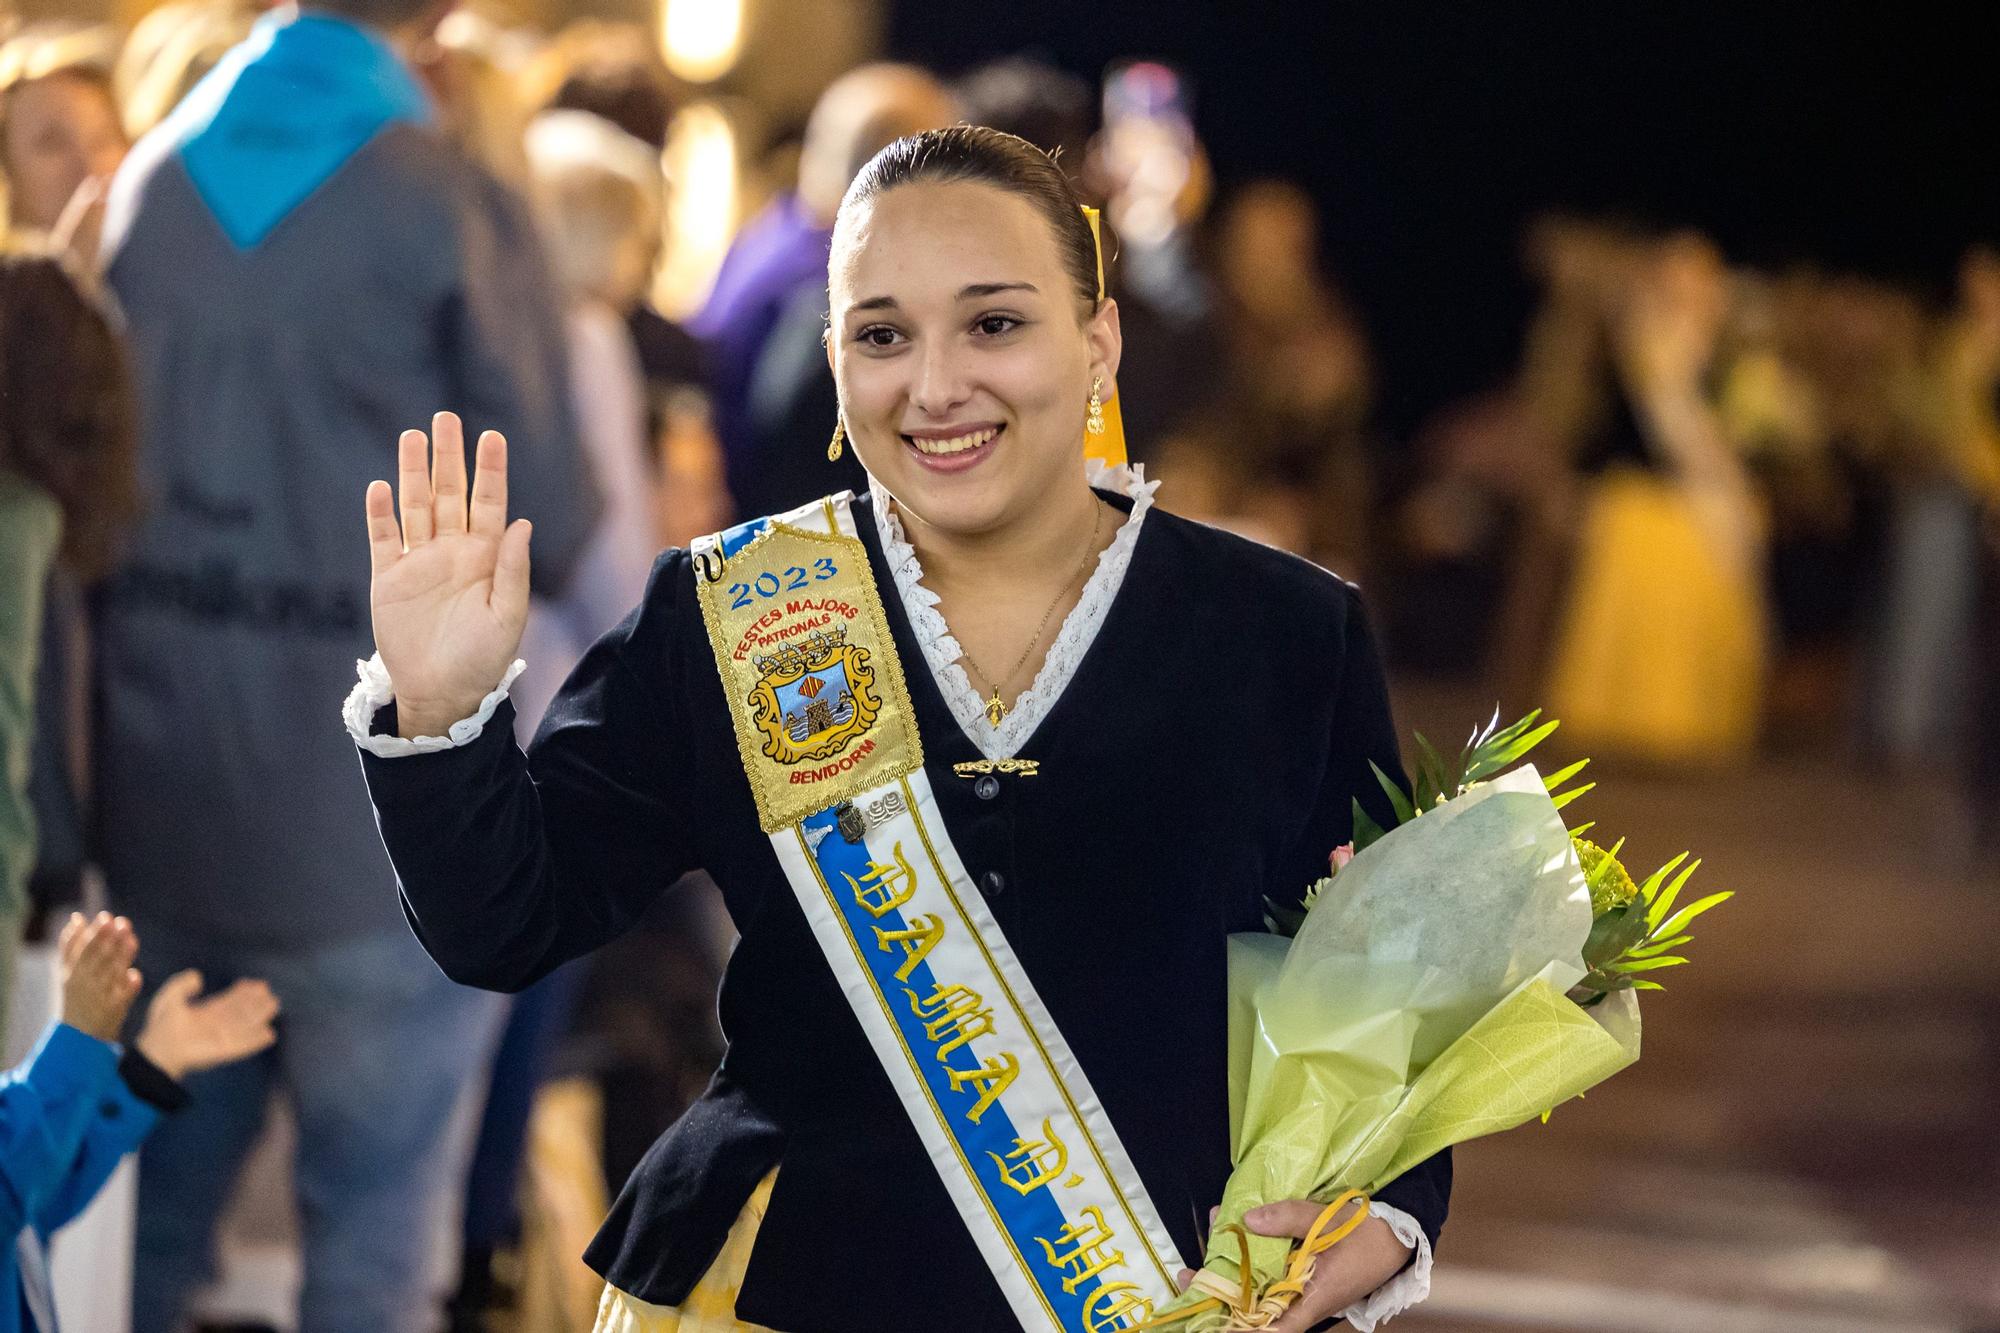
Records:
x=98, y=980
x=449, y=590
x=184, y=1035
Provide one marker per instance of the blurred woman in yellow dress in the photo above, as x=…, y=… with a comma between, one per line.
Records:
x=1661, y=647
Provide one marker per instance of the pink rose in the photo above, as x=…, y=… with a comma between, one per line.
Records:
x=1341, y=856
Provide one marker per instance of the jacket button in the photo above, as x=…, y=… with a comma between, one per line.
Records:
x=993, y=883
x=986, y=788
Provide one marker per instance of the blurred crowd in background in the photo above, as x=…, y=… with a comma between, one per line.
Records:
x=1716, y=511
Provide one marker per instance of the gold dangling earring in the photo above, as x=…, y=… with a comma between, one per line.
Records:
x=1093, y=421
x=839, y=435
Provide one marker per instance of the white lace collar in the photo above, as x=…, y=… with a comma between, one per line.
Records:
x=1079, y=628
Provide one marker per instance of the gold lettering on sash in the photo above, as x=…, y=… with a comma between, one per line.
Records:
x=953, y=1009
x=953, y=1015
x=992, y=1078
x=917, y=942
x=1034, y=1162
x=1112, y=1304
x=886, y=886
x=1089, y=1253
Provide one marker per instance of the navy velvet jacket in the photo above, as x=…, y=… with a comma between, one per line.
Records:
x=1203, y=757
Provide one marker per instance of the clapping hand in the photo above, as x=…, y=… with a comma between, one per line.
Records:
x=184, y=1035
x=449, y=589
x=98, y=981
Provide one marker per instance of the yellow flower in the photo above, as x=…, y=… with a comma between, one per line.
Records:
x=1610, y=887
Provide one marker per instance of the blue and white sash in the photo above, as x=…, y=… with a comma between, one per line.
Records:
x=829, y=742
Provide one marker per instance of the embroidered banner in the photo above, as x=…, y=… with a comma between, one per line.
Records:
x=814, y=686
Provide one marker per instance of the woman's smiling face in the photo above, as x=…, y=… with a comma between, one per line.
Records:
x=963, y=353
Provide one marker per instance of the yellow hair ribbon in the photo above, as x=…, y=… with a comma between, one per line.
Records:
x=1246, y=1310
x=1108, y=445
x=1095, y=219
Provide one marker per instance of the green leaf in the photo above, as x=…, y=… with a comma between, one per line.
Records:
x=1647, y=985
x=1520, y=745
x=1283, y=918
x=1648, y=964
x=1366, y=831
x=1514, y=730
x=1679, y=921
x=1614, y=934
x=1650, y=947
x=1397, y=801
x=1494, y=734
x=1432, y=775
x=1651, y=884
x=1632, y=930
x=1500, y=755
x=1568, y=796
x=1486, y=753
x=1662, y=904
x=1599, y=946
x=1478, y=737
x=1606, y=867
x=1556, y=780
x=1582, y=829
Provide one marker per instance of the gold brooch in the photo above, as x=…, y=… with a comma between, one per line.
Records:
x=1027, y=768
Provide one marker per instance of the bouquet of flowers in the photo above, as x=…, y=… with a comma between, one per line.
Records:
x=1456, y=976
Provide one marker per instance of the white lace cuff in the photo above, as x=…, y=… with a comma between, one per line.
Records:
x=374, y=689
x=1405, y=1289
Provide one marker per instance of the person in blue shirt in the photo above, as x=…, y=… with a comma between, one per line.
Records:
x=80, y=1102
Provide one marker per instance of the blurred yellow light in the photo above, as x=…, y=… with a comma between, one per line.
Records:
x=701, y=38
x=702, y=207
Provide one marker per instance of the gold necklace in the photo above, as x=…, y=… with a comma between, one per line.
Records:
x=996, y=707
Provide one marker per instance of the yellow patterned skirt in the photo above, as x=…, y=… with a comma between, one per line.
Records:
x=1661, y=655
x=711, y=1306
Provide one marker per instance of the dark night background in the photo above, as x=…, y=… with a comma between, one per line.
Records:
x=1854, y=138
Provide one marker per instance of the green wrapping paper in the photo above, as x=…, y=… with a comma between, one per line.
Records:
x=1420, y=1005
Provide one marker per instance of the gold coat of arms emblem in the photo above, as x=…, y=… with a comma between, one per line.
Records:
x=813, y=698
